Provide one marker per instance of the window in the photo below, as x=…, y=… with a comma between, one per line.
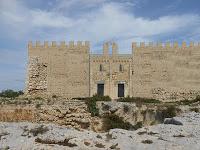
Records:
x=101, y=67
x=120, y=68
x=100, y=89
x=120, y=90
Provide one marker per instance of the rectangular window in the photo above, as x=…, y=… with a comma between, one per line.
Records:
x=100, y=89
x=120, y=90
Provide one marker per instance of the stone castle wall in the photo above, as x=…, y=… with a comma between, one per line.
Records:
x=167, y=71
x=60, y=69
x=161, y=71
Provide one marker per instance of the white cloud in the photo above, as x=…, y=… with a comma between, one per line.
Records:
x=109, y=20
x=94, y=20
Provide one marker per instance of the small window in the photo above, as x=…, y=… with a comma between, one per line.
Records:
x=120, y=68
x=101, y=67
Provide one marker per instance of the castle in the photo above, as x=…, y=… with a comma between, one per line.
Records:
x=162, y=71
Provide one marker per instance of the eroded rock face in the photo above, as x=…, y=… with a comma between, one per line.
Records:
x=48, y=136
x=130, y=112
x=72, y=114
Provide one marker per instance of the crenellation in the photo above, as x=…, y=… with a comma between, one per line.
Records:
x=192, y=44
x=63, y=44
x=30, y=44
x=70, y=70
x=106, y=49
x=38, y=44
x=46, y=44
x=53, y=43
x=71, y=44
x=164, y=45
x=114, y=49
x=159, y=45
x=184, y=44
x=87, y=44
x=150, y=44
x=142, y=44
x=168, y=45
x=175, y=45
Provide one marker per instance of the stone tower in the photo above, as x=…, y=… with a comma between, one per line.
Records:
x=58, y=69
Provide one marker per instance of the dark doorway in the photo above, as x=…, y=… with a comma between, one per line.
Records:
x=100, y=89
x=120, y=90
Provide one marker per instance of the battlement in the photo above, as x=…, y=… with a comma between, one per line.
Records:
x=62, y=44
x=164, y=45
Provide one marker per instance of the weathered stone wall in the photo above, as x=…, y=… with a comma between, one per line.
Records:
x=110, y=75
x=165, y=72
x=58, y=69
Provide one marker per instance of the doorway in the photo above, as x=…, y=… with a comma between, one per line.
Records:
x=120, y=90
x=100, y=89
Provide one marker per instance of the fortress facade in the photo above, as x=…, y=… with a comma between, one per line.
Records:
x=162, y=71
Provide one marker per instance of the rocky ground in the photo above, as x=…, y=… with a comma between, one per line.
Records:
x=26, y=135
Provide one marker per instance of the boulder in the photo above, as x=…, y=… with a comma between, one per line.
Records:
x=172, y=121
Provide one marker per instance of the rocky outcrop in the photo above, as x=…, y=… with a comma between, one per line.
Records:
x=48, y=136
x=172, y=121
x=72, y=114
x=134, y=113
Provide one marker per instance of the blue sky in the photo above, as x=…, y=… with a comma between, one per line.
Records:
x=123, y=21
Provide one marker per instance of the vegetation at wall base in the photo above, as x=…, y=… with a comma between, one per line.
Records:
x=169, y=112
x=92, y=108
x=10, y=93
x=188, y=102
x=138, y=100
x=112, y=121
x=91, y=103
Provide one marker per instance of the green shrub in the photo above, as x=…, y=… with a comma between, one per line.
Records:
x=194, y=109
x=138, y=125
x=91, y=103
x=169, y=112
x=105, y=107
x=126, y=108
x=38, y=105
x=138, y=100
x=91, y=106
x=112, y=121
x=39, y=98
x=100, y=98
x=54, y=96
x=10, y=93
x=188, y=102
x=147, y=141
x=39, y=130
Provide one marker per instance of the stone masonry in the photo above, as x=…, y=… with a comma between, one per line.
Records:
x=163, y=71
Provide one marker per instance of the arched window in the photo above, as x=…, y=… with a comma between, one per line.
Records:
x=120, y=68
x=101, y=67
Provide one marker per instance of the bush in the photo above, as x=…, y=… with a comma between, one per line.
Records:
x=10, y=93
x=138, y=125
x=91, y=103
x=91, y=106
x=54, y=96
x=138, y=100
x=100, y=98
x=112, y=121
x=126, y=108
x=38, y=105
x=195, y=109
x=187, y=102
x=169, y=112
x=147, y=141
x=39, y=130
